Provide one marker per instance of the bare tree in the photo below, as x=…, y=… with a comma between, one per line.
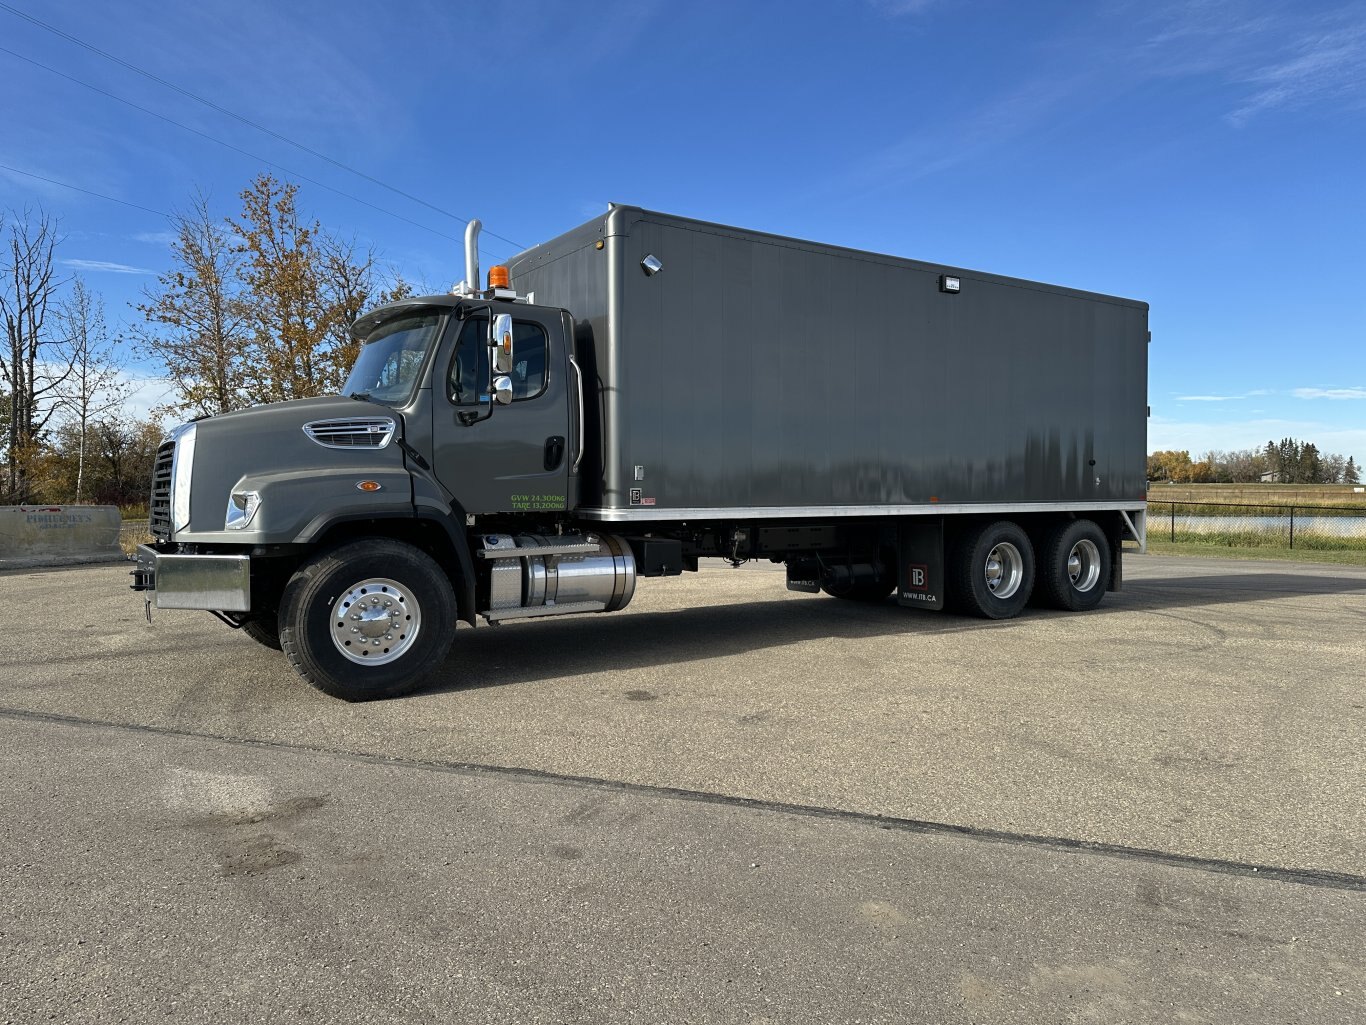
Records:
x=351, y=282
x=31, y=378
x=198, y=317
x=93, y=386
x=125, y=450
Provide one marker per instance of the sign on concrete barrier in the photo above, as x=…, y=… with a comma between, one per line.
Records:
x=58, y=535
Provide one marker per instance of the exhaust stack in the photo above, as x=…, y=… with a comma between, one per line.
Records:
x=470, y=286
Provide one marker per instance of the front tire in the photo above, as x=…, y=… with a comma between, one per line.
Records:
x=1076, y=566
x=264, y=630
x=993, y=571
x=368, y=620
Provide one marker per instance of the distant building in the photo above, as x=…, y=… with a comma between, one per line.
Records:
x=1271, y=477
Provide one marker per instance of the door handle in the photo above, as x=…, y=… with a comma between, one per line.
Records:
x=554, y=451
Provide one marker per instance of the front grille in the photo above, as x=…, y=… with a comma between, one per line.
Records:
x=159, y=507
x=359, y=432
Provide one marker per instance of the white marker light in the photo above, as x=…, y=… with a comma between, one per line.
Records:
x=950, y=283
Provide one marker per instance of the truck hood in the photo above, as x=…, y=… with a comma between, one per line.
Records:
x=304, y=459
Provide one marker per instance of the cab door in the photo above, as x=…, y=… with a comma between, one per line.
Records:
x=495, y=458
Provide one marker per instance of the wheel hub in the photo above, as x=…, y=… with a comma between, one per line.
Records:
x=1004, y=570
x=1083, y=565
x=375, y=621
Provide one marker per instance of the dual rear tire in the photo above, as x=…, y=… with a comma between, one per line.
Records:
x=992, y=571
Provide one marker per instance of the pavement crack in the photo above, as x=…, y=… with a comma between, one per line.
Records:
x=1068, y=845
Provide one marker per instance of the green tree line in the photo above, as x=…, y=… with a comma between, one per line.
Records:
x=253, y=307
x=1288, y=461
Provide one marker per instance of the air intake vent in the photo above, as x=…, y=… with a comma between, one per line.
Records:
x=159, y=508
x=360, y=432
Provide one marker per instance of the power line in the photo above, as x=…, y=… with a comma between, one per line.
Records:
x=77, y=188
x=228, y=145
x=239, y=117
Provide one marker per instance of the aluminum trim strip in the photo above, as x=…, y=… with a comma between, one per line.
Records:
x=589, y=548
x=779, y=512
x=538, y=611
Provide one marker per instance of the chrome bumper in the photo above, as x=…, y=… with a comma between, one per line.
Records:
x=218, y=583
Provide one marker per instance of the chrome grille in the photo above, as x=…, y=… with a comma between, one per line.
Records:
x=159, y=506
x=358, y=432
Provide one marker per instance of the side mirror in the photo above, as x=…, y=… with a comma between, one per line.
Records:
x=502, y=389
x=500, y=341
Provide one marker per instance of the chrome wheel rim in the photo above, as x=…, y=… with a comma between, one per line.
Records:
x=375, y=621
x=1004, y=570
x=1083, y=565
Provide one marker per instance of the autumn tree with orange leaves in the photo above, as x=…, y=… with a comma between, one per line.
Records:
x=259, y=307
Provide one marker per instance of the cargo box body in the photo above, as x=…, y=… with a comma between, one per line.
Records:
x=757, y=376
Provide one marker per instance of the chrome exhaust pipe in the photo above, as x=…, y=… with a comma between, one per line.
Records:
x=472, y=256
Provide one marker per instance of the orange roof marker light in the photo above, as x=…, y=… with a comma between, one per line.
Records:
x=498, y=277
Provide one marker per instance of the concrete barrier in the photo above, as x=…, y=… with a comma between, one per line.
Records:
x=58, y=535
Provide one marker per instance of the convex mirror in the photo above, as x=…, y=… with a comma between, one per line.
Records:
x=502, y=389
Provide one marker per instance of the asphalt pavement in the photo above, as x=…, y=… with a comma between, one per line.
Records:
x=726, y=803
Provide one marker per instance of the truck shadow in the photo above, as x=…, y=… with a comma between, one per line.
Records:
x=579, y=645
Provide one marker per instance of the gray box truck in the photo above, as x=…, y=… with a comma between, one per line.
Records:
x=646, y=391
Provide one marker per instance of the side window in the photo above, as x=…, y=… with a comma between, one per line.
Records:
x=528, y=352
x=469, y=374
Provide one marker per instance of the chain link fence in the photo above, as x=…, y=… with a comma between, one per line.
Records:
x=1328, y=528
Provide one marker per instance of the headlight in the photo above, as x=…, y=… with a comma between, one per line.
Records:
x=182, y=468
x=242, y=506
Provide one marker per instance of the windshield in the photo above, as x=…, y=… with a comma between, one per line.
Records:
x=391, y=357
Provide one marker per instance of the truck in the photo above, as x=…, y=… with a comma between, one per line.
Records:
x=646, y=391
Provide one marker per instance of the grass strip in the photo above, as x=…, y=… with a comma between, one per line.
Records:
x=1259, y=553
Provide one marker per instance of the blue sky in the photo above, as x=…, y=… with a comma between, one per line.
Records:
x=1207, y=157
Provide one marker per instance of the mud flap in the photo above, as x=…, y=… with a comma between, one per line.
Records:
x=920, y=563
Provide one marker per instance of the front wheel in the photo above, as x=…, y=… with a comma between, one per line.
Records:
x=1076, y=566
x=367, y=620
x=264, y=629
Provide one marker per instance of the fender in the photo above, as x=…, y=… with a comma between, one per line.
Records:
x=453, y=525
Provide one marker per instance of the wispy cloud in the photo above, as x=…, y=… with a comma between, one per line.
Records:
x=896, y=8
x=994, y=124
x=1261, y=60
x=1268, y=59
x=1327, y=65
x=1223, y=398
x=156, y=238
x=146, y=394
x=104, y=267
x=1330, y=393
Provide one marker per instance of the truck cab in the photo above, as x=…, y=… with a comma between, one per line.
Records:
x=459, y=409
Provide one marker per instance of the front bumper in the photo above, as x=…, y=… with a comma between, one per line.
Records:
x=218, y=583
